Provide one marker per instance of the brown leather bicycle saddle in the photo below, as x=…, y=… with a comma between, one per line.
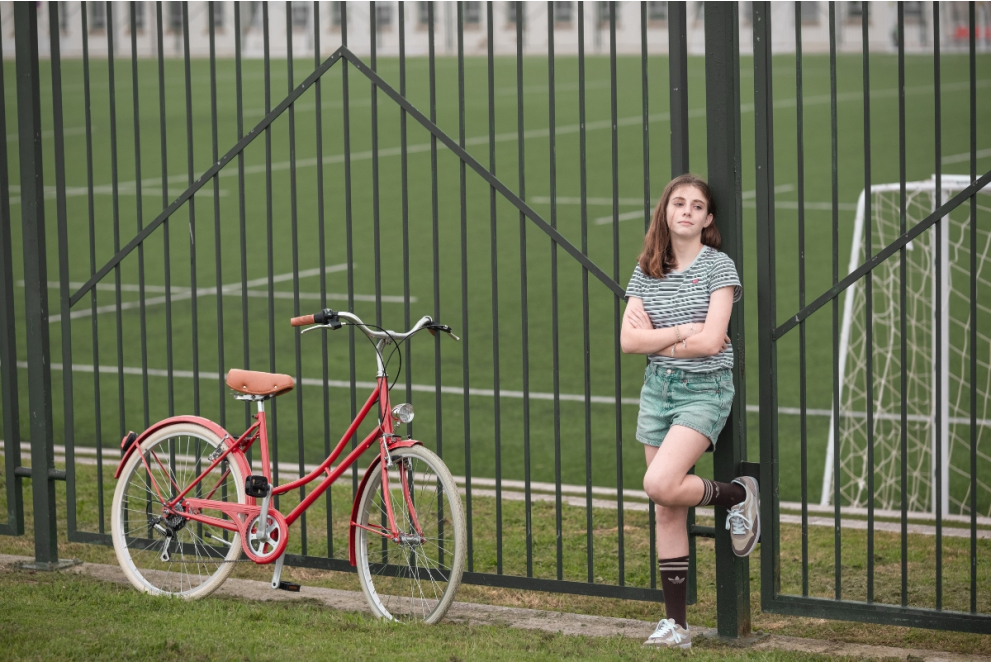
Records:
x=257, y=383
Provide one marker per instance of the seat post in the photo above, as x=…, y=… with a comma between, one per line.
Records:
x=261, y=406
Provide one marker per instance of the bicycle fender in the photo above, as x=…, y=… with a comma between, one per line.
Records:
x=352, y=530
x=129, y=444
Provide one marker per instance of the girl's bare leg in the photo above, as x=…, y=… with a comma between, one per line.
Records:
x=668, y=484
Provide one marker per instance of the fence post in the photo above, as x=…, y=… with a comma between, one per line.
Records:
x=722, y=93
x=43, y=473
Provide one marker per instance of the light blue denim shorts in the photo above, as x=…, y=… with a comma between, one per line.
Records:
x=671, y=396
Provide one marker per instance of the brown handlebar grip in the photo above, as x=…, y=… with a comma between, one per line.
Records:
x=302, y=321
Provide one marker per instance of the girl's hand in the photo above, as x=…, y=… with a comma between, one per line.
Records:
x=638, y=318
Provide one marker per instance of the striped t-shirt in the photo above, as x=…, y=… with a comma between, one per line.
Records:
x=683, y=297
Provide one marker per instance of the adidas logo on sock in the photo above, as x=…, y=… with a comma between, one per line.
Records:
x=677, y=581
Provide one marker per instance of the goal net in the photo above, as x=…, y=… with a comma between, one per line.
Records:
x=943, y=447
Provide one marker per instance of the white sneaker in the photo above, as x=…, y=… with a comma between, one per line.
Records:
x=743, y=520
x=669, y=634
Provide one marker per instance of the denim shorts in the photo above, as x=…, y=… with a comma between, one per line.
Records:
x=671, y=396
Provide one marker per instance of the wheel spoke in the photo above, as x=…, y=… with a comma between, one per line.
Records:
x=413, y=585
x=196, y=566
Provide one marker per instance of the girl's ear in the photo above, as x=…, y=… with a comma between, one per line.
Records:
x=707, y=222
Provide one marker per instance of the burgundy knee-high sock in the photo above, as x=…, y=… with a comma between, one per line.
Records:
x=722, y=494
x=674, y=583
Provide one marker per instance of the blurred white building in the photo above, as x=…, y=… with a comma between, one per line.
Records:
x=304, y=19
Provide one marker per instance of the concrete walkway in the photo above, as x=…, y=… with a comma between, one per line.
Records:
x=543, y=620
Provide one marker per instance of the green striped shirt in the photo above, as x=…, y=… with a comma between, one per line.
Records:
x=681, y=298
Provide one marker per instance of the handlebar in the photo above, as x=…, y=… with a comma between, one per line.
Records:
x=330, y=319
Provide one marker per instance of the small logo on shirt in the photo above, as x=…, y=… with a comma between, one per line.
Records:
x=694, y=281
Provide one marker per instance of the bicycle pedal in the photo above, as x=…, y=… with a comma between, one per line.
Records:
x=257, y=486
x=288, y=586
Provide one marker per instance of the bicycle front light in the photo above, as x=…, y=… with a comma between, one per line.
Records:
x=403, y=413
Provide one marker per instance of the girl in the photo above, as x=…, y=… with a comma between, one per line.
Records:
x=680, y=298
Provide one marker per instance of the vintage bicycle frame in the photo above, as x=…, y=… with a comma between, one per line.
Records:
x=241, y=515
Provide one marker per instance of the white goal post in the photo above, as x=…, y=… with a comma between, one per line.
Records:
x=926, y=445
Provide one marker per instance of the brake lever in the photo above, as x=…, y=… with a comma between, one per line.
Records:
x=434, y=328
x=312, y=327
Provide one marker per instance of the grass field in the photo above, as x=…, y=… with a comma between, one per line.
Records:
x=210, y=334
x=29, y=597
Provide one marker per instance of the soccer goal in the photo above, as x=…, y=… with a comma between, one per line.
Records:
x=938, y=305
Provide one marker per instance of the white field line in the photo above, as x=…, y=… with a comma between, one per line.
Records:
x=123, y=189
x=965, y=156
x=605, y=498
x=183, y=293
x=490, y=393
x=634, y=120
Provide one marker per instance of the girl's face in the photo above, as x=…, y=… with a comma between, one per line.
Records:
x=687, y=212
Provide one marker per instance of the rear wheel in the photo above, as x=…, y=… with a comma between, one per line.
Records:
x=166, y=553
x=415, y=578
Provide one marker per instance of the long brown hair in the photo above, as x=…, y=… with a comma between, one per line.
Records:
x=657, y=259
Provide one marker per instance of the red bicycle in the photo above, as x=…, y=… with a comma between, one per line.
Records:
x=187, y=502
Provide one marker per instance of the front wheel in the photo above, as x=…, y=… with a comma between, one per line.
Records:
x=415, y=578
x=164, y=553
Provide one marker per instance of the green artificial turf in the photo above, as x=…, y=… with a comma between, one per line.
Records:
x=282, y=231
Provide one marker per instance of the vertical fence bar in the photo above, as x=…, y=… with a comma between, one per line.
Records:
x=8, y=345
x=404, y=164
x=678, y=86
x=322, y=253
x=194, y=300
x=35, y=284
x=770, y=575
x=241, y=209
x=376, y=228
x=800, y=126
x=462, y=174
x=973, y=310
x=678, y=108
x=435, y=227
x=218, y=238
x=65, y=319
x=869, y=308
x=273, y=425
x=645, y=117
x=193, y=271
x=94, y=323
x=138, y=203
x=938, y=305
x=525, y=316
x=494, y=259
x=586, y=316
x=166, y=243
x=902, y=297
x=651, y=510
x=722, y=76
x=617, y=321
x=115, y=200
x=348, y=224
x=555, y=366
x=835, y=188
x=294, y=224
